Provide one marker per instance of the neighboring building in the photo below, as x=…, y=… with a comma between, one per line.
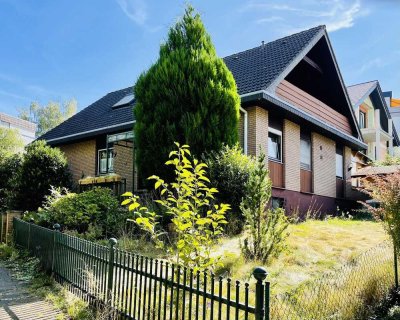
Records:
x=394, y=108
x=294, y=105
x=374, y=119
x=25, y=128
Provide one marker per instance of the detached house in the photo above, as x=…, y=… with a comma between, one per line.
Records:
x=294, y=106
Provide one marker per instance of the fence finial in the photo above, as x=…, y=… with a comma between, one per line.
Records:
x=260, y=273
x=31, y=220
x=112, y=242
x=56, y=227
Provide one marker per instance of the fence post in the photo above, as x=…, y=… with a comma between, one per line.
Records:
x=31, y=221
x=112, y=242
x=56, y=228
x=260, y=274
x=396, y=272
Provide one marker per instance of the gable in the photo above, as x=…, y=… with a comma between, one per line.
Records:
x=314, y=84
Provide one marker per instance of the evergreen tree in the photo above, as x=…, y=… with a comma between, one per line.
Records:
x=188, y=95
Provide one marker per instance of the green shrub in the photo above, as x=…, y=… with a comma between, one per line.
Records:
x=266, y=228
x=92, y=214
x=229, y=172
x=42, y=167
x=10, y=166
x=197, y=221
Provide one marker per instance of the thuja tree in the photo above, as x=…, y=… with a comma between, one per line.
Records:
x=266, y=228
x=188, y=95
x=386, y=191
x=189, y=201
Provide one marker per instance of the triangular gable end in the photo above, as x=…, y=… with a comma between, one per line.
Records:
x=313, y=82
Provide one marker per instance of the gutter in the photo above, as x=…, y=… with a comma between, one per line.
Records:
x=85, y=133
x=264, y=95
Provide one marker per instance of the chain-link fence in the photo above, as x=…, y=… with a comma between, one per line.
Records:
x=349, y=292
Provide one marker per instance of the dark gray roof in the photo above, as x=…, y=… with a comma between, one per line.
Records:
x=254, y=69
x=98, y=116
x=257, y=68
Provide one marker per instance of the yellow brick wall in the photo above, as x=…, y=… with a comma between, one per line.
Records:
x=123, y=164
x=324, y=165
x=257, y=130
x=241, y=130
x=291, y=155
x=81, y=158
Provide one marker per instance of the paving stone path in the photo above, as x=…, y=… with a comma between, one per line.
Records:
x=17, y=303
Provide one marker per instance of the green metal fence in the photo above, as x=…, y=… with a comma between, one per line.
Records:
x=131, y=286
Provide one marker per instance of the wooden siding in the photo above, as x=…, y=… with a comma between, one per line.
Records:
x=313, y=106
x=306, y=181
x=276, y=173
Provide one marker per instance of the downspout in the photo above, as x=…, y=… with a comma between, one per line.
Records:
x=245, y=120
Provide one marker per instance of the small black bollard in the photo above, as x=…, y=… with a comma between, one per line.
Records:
x=260, y=274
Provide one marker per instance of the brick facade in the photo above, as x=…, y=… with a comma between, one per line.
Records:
x=81, y=158
x=123, y=163
x=257, y=130
x=324, y=165
x=291, y=155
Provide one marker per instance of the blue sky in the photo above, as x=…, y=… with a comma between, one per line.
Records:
x=57, y=50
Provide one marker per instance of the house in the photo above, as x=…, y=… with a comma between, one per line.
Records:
x=394, y=109
x=294, y=106
x=25, y=128
x=374, y=119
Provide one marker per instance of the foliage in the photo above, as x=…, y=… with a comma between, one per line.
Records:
x=388, y=161
x=197, y=221
x=10, y=142
x=9, y=178
x=92, y=214
x=266, y=227
x=386, y=190
x=200, y=109
x=229, y=171
x=42, y=167
x=49, y=116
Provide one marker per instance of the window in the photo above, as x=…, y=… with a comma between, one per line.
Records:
x=102, y=161
x=305, y=151
x=339, y=162
x=277, y=203
x=362, y=120
x=5, y=124
x=274, y=144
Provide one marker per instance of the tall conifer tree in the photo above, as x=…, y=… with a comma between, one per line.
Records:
x=188, y=95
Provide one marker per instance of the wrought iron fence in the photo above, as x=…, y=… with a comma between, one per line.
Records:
x=136, y=287
x=131, y=286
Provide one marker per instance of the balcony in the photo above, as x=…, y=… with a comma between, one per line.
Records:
x=369, y=134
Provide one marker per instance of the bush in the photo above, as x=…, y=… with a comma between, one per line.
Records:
x=91, y=214
x=9, y=172
x=42, y=167
x=266, y=228
x=229, y=171
x=196, y=220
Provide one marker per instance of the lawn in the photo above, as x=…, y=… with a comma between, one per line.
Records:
x=314, y=247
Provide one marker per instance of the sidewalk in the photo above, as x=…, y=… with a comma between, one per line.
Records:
x=17, y=303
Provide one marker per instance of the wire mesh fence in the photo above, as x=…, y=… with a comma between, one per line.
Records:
x=349, y=292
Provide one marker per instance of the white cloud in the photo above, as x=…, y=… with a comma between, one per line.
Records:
x=335, y=14
x=269, y=19
x=135, y=10
x=13, y=95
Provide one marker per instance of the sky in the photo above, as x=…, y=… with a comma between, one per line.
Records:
x=59, y=50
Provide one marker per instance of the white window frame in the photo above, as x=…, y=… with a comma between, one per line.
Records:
x=304, y=166
x=364, y=119
x=111, y=151
x=278, y=133
x=342, y=164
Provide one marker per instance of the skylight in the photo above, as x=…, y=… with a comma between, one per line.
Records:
x=124, y=101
